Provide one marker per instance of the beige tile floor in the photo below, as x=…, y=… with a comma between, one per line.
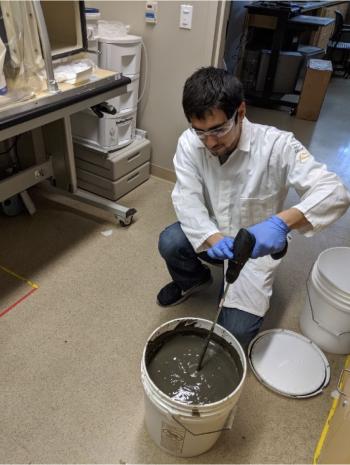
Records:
x=70, y=389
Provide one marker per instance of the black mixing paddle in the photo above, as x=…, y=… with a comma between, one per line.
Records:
x=242, y=249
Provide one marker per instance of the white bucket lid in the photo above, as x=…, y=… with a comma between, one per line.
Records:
x=127, y=39
x=288, y=363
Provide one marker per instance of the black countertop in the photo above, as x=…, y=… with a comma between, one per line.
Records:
x=57, y=102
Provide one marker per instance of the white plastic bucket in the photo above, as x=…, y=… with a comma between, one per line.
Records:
x=187, y=430
x=325, y=318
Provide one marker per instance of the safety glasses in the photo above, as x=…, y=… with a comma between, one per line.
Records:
x=216, y=132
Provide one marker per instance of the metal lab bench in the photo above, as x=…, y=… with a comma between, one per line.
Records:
x=47, y=117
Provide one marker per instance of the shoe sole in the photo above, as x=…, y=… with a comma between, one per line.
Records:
x=188, y=293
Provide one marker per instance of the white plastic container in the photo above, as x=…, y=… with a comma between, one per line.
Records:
x=128, y=101
x=182, y=429
x=93, y=51
x=122, y=54
x=325, y=318
x=92, y=16
x=110, y=132
x=113, y=165
x=113, y=190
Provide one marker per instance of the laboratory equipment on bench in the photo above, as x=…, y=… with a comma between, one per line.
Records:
x=34, y=38
x=106, y=139
x=113, y=132
x=108, y=131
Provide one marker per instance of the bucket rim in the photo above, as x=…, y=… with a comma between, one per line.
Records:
x=324, y=275
x=188, y=408
x=336, y=299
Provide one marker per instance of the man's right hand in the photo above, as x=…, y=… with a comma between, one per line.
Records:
x=221, y=250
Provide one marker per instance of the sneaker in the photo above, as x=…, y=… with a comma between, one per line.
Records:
x=172, y=294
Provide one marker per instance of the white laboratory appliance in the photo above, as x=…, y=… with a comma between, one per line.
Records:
x=111, y=160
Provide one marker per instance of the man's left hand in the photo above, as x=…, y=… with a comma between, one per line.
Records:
x=270, y=236
x=221, y=250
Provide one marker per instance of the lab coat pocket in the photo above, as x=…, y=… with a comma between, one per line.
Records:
x=256, y=209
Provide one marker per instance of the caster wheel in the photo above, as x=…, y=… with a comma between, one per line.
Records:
x=125, y=223
x=125, y=218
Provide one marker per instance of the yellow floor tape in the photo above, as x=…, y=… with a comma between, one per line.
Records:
x=329, y=418
x=15, y=275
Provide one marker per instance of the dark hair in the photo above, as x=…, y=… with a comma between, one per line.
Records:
x=210, y=88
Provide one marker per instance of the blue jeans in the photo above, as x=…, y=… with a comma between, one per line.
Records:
x=186, y=269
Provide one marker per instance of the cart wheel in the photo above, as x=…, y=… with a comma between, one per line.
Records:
x=125, y=222
x=125, y=218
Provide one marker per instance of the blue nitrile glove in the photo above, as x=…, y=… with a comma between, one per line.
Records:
x=270, y=236
x=222, y=250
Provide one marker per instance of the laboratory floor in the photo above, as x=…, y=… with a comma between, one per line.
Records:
x=70, y=389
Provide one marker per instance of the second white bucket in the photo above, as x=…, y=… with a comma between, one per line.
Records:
x=325, y=318
x=181, y=429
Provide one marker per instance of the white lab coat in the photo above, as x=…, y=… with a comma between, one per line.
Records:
x=248, y=188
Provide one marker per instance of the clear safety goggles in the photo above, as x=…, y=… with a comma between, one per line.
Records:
x=216, y=132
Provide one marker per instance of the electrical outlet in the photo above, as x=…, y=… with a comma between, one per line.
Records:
x=186, y=16
x=151, y=12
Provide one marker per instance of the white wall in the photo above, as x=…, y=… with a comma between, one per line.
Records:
x=174, y=54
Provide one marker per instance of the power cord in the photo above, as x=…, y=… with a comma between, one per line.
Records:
x=146, y=72
x=12, y=146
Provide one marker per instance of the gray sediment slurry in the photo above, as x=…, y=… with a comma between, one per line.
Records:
x=172, y=365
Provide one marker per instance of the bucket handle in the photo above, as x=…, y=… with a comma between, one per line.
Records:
x=227, y=427
x=340, y=382
x=312, y=310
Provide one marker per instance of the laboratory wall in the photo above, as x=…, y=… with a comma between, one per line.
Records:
x=173, y=54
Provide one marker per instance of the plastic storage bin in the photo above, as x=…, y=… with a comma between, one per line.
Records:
x=113, y=190
x=112, y=165
x=127, y=102
x=121, y=54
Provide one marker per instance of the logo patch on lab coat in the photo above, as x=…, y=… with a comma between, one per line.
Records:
x=303, y=155
x=297, y=146
x=300, y=151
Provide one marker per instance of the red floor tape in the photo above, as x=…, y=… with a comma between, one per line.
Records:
x=33, y=286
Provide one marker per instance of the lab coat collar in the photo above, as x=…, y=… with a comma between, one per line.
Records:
x=195, y=140
x=246, y=134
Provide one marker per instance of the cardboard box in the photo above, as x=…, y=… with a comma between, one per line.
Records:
x=334, y=444
x=263, y=21
x=318, y=75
